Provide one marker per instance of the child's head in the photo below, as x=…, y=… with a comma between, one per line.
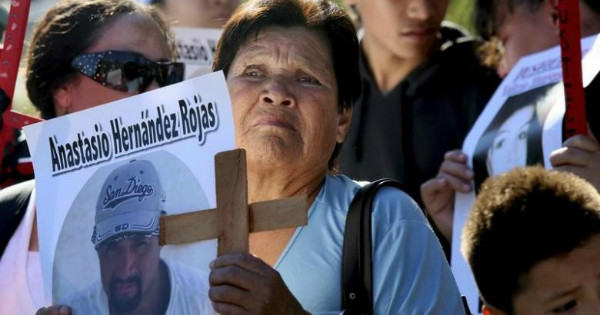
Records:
x=533, y=243
x=523, y=27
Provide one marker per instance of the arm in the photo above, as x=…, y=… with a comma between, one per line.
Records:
x=438, y=193
x=581, y=156
x=410, y=272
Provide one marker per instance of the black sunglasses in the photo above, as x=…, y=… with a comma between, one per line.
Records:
x=127, y=71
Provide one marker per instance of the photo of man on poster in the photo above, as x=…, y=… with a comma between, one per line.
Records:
x=134, y=277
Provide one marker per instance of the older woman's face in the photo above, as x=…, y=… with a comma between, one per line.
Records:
x=133, y=33
x=285, y=99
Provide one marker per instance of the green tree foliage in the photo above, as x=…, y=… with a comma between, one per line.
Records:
x=460, y=12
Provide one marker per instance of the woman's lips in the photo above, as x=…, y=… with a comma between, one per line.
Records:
x=274, y=122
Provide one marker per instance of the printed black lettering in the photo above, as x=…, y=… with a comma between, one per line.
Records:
x=211, y=113
x=114, y=126
x=54, y=156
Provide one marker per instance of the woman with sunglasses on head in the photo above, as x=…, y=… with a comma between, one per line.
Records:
x=83, y=54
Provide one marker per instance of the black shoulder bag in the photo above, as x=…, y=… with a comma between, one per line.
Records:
x=357, y=281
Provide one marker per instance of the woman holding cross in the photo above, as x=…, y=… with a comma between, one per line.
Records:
x=292, y=71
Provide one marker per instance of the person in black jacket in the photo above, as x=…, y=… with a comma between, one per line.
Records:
x=423, y=88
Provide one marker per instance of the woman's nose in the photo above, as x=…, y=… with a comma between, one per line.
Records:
x=278, y=92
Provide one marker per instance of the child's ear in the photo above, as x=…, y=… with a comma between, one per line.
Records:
x=64, y=97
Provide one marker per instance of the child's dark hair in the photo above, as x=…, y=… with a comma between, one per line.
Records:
x=521, y=218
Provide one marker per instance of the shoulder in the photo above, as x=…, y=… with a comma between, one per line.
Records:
x=459, y=45
x=337, y=193
x=340, y=186
x=189, y=290
x=186, y=276
x=181, y=271
x=394, y=205
x=460, y=55
x=389, y=203
x=452, y=32
x=456, y=39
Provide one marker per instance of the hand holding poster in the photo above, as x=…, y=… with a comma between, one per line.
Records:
x=521, y=125
x=105, y=175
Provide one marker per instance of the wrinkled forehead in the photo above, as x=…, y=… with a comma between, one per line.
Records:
x=288, y=44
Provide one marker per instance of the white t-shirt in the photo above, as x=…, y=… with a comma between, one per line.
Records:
x=189, y=294
x=21, y=288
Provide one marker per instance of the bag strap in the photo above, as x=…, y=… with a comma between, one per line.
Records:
x=357, y=281
x=13, y=205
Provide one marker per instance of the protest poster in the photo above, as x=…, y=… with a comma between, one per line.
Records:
x=196, y=48
x=521, y=125
x=103, y=178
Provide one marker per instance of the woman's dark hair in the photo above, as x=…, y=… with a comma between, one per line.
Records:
x=322, y=16
x=69, y=29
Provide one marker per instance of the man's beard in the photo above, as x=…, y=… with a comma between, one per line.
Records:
x=125, y=305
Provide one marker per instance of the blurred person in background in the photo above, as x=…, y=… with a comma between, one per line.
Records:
x=423, y=88
x=514, y=29
x=197, y=13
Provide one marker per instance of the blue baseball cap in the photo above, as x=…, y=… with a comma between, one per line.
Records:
x=131, y=202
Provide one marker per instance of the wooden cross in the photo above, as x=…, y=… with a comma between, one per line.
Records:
x=233, y=219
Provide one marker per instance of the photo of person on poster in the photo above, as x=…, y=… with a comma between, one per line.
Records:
x=134, y=276
x=514, y=137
